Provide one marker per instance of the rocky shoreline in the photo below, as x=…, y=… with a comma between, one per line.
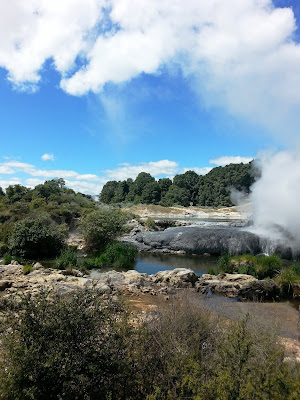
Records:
x=13, y=281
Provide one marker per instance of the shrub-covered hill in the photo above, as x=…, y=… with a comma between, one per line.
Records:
x=35, y=221
x=212, y=190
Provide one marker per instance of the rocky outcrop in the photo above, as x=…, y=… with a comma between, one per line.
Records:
x=210, y=239
x=12, y=280
x=177, y=278
x=260, y=290
x=224, y=284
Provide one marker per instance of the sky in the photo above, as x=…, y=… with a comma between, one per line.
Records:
x=97, y=90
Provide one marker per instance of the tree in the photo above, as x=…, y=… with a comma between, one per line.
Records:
x=49, y=188
x=164, y=184
x=189, y=181
x=141, y=181
x=177, y=196
x=101, y=226
x=108, y=192
x=37, y=237
x=151, y=193
x=15, y=193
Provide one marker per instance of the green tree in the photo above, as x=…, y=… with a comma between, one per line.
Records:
x=101, y=226
x=15, y=193
x=151, y=193
x=37, y=237
x=108, y=192
x=190, y=182
x=177, y=196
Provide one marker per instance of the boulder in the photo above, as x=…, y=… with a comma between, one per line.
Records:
x=5, y=284
x=177, y=278
x=227, y=285
x=260, y=290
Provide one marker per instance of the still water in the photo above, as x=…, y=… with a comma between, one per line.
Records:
x=151, y=263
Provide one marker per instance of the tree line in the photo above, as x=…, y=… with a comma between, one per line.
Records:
x=210, y=190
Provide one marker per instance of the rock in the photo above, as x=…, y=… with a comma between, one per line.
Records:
x=14, y=262
x=4, y=285
x=213, y=240
x=260, y=290
x=37, y=265
x=224, y=284
x=76, y=272
x=178, y=278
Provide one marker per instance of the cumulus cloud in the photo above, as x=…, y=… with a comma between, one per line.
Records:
x=199, y=171
x=156, y=168
x=240, y=55
x=225, y=160
x=47, y=157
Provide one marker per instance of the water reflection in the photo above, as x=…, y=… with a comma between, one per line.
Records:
x=151, y=263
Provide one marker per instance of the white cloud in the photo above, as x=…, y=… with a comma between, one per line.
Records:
x=198, y=170
x=239, y=54
x=225, y=160
x=47, y=157
x=4, y=183
x=155, y=168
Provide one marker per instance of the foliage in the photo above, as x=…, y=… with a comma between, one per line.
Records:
x=118, y=255
x=27, y=269
x=37, y=237
x=211, y=271
x=210, y=190
x=7, y=259
x=260, y=267
x=150, y=224
x=67, y=259
x=286, y=278
x=80, y=347
x=67, y=348
x=101, y=226
x=224, y=264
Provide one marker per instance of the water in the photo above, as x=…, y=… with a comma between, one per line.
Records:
x=151, y=263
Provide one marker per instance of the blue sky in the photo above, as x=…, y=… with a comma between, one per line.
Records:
x=118, y=92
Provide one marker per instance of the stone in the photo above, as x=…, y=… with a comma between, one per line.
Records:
x=260, y=290
x=5, y=285
x=179, y=278
x=227, y=285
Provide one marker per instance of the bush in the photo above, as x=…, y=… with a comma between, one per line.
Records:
x=150, y=224
x=37, y=237
x=224, y=264
x=71, y=348
x=27, y=269
x=267, y=267
x=7, y=259
x=285, y=279
x=118, y=255
x=211, y=271
x=67, y=259
x=101, y=226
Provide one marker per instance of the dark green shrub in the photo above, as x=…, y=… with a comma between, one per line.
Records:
x=211, y=271
x=7, y=258
x=118, y=255
x=224, y=264
x=101, y=226
x=27, y=269
x=150, y=224
x=3, y=248
x=67, y=348
x=285, y=279
x=37, y=237
x=267, y=267
x=67, y=259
